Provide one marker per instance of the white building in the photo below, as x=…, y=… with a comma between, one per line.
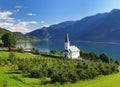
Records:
x=70, y=52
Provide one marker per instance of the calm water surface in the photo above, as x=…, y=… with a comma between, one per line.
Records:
x=111, y=49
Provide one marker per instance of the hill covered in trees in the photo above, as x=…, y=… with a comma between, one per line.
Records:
x=18, y=35
x=3, y=31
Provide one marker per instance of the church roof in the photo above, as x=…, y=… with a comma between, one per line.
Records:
x=67, y=38
x=74, y=49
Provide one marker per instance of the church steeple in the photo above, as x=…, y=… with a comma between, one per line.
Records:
x=67, y=38
x=67, y=42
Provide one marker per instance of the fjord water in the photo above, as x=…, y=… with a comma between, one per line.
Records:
x=110, y=48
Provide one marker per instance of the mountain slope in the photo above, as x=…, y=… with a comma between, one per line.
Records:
x=3, y=31
x=99, y=27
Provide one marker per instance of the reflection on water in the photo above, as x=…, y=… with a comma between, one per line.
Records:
x=24, y=44
x=112, y=49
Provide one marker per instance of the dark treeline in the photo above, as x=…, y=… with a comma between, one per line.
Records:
x=63, y=70
x=94, y=57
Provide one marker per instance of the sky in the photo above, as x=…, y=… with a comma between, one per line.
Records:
x=27, y=15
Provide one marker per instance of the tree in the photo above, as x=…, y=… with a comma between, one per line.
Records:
x=53, y=51
x=9, y=40
x=104, y=58
x=93, y=56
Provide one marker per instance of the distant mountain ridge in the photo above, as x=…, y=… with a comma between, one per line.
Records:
x=18, y=33
x=100, y=27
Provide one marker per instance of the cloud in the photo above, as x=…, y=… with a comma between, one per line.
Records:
x=18, y=6
x=46, y=25
x=24, y=23
x=13, y=24
x=5, y=16
x=31, y=14
x=22, y=26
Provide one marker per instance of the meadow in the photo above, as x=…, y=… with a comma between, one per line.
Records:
x=18, y=55
x=10, y=77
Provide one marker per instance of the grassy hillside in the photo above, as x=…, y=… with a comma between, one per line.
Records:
x=102, y=81
x=14, y=80
x=17, y=55
x=9, y=77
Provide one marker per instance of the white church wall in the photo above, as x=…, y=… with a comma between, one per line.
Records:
x=75, y=54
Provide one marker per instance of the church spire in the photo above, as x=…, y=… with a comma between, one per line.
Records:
x=67, y=38
x=67, y=42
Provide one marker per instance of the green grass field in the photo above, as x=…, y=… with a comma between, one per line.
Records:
x=16, y=80
x=17, y=55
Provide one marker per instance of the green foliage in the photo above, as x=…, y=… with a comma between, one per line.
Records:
x=35, y=51
x=9, y=40
x=53, y=51
x=2, y=32
x=104, y=58
x=11, y=57
x=90, y=56
x=5, y=84
x=117, y=62
x=65, y=70
x=58, y=70
x=93, y=56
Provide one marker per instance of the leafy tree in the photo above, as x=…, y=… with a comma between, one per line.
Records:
x=104, y=58
x=53, y=51
x=85, y=55
x=117, y=62
x=93, y=56
x=9, y=40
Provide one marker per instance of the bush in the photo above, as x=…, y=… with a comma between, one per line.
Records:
x=11, y=57
x=53, y=51
x=104, y=58
x=35, y=51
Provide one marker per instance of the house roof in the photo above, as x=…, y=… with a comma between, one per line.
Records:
x=74, y=49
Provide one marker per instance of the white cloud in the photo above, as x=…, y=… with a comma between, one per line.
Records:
x=31, y=14
x=24, y=23
x=13, y=24
x=46, y=25
x=21, y=26
x=5, y=16
x=5, y=24
x=18, y=6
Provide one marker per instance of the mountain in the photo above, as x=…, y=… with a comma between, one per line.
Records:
x=3, y=31
x=99, y=27
x=18, y=33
